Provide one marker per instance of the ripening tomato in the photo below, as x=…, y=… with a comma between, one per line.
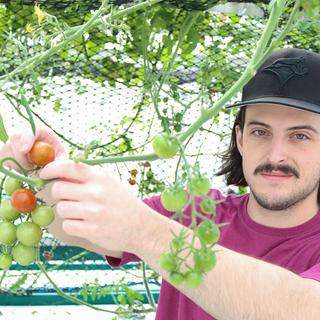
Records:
x=7, y=212
x=23, y=200
x=47, y=255
x=164, y=146
x=132, y=181
x=5, y=261
x=29, y=233
x=42, y=215
x=174, y=198
x=23, y=255
x=41, y=153
x=11, y=185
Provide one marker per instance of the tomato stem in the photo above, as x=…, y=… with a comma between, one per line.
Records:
x=35, y=182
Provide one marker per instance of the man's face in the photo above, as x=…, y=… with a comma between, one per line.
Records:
x=280, y=147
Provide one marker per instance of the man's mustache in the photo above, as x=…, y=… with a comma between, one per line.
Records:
x=284, y=168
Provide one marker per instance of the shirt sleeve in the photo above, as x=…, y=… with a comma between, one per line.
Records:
x=312, y=273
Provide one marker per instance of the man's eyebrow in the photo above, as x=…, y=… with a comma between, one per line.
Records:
x=302, y=127
x=258, y=123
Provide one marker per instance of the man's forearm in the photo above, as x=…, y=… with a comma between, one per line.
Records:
x=239, y=287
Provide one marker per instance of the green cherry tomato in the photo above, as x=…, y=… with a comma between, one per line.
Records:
x=176, y=278
x=174, y=199
x=177, y=243
x=11, y=185
x=5, y=261
x=199, y=185
x=8, y=233
x=29, y=233
x=194, y=279
x=208, y=232
x=168, y=261
x=208, y=206
x=42, y=215
x=7, y=212
x=164, y=146
x=204, y=260
x=23, y=255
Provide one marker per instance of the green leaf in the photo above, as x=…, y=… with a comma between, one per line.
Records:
x=3, y=133
x=20, y=282
x=25, y=103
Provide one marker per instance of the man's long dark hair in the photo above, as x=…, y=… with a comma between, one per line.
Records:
x=232, y=160
x=231, y=166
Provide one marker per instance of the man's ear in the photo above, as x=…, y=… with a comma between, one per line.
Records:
x=239, y=139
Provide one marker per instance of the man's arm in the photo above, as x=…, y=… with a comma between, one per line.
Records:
x=239, y=287
x=57, y=231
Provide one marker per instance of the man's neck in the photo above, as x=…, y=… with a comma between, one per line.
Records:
x=291, y=217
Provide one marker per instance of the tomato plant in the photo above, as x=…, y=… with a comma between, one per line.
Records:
x=7, y=232
x=174, y=198
x=7, y=212
x=164, y=146
x=42, y=215
x=11, y=185
x=5, y=261
x=208, y=232
x=23, y=255
x=29, y=233
x=23, y=200
x=41, y=153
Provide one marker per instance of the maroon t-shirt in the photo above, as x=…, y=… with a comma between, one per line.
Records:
x=296, y=249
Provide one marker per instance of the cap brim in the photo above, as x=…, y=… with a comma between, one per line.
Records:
x=298, y=104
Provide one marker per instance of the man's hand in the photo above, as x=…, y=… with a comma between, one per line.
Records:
x=21, y=142
x=95, y=206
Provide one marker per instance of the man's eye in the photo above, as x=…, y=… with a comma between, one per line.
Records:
x=301, y=136
x=259, y=132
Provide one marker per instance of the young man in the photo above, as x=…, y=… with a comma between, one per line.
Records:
x=269, y=251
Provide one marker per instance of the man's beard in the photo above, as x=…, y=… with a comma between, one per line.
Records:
x=283, y=203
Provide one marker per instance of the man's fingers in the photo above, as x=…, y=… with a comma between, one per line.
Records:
x=75, y=210
x=66, y=190
x=67, y=170
x=77, y=228
x=20, y=144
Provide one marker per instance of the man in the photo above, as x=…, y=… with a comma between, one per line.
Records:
x=269, y=251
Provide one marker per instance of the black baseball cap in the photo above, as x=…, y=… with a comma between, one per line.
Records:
x=289, y=77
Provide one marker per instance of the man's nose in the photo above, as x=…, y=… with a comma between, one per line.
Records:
x=277, y=152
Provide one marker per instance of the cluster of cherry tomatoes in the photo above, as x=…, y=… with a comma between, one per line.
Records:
x=22, y=217
x=175, y=199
